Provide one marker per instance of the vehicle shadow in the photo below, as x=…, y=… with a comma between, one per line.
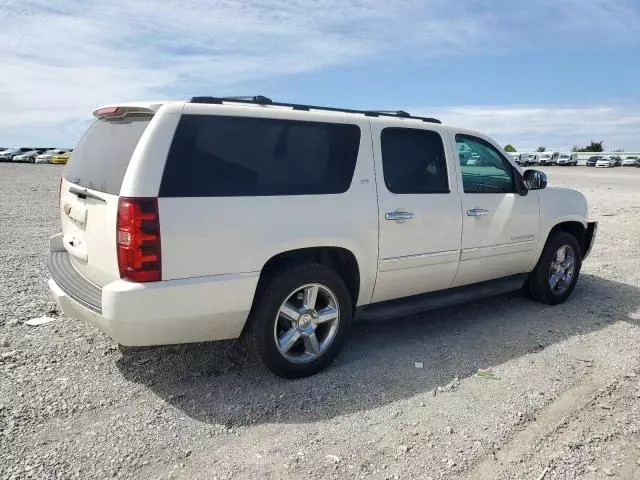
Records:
x=216, y=383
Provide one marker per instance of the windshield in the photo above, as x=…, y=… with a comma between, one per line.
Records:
x=102, y=155
x=564, y=156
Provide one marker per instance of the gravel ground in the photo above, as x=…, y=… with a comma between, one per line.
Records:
x=564, y=401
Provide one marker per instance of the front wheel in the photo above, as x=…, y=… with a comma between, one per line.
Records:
x=300, y=320
x=556, y=275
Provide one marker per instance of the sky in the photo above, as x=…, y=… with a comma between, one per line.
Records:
x=556, y=73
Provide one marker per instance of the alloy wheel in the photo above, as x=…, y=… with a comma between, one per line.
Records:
x=306, y=323
x=562, y=270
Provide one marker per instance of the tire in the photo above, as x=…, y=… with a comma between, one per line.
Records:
x=266, y=323
x=540, y=280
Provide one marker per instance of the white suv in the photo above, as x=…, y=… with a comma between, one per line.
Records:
x=221, y=218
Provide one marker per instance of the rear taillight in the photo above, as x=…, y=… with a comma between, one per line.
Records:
x=138, y=239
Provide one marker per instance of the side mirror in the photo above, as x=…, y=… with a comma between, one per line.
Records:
x=534, y=179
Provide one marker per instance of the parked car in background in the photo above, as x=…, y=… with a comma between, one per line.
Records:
x=591, y=162
x=26, y=157
x=532, y=159
x=630, y=162
x=568, y=159
x=7, y=154
x=606, y=162
x=61, y=158
x=46, y=156
x=617, y=160
x=173, y=188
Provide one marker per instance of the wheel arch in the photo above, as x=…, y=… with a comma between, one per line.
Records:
x=575, y=228
x=342, y=260
x=573, y=225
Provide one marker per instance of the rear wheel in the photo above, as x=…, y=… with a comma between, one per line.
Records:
x=300, y=320
x=556, y=274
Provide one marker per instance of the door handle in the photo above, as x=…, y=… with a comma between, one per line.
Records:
x=399, y=216
x=478, y=212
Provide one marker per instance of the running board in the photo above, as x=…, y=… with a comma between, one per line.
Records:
x=403, y=307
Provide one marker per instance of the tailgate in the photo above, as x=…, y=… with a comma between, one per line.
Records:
x=89, y=231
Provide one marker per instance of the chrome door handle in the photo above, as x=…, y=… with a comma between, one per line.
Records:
x=477, y=212
x=399, y=216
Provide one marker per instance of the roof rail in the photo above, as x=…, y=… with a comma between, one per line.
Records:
x=395, y=113
x=262, y=100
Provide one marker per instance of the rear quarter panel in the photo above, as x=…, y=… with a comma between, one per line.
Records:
x=230, y=235
x=147, y=162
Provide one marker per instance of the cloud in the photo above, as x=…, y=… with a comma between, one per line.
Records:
x=560, y=127
x=60, y=60
x=59, y=63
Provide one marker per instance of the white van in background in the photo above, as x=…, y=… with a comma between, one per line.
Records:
x=549, y=158
x=570, y=159
x=522, y=159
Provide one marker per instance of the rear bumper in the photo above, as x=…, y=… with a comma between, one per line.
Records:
x=160, y=313
x=589, y=238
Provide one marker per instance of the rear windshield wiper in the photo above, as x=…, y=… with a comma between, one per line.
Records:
x=83, y=193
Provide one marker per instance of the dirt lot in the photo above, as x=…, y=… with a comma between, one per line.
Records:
x=565, y=402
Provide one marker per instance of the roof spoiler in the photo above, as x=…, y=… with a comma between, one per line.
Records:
x=119, y=112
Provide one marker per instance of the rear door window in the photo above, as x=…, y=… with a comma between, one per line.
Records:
x=413, y=161
x=102, y=156
x=217, y=156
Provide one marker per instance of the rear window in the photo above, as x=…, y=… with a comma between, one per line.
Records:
x=102, y=156
x=217, y=156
